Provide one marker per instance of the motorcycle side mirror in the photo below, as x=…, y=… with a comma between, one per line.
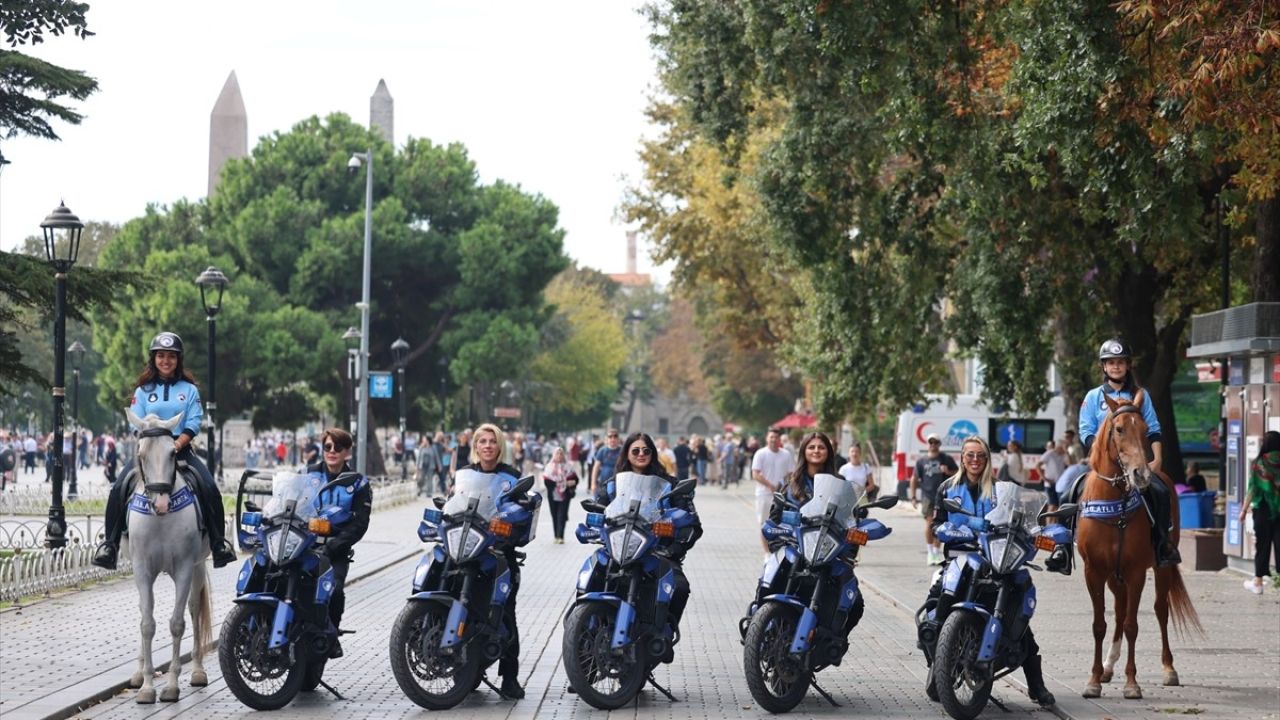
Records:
x=953, y=505
x=522, y=485
x=884, y=503
x=684, y=487
x=251, y=506
x=592, y=506
x=1067, y=510
x=439, y=502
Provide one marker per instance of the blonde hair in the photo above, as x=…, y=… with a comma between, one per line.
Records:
x=504, y=448
x=988, y=479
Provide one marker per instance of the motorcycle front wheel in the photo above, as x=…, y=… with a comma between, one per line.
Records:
x=604, y=678
x=262, y=678
x=778, y=680
x=962, y=687
x=429, y=678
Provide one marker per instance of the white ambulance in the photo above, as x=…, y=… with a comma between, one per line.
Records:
x=967, y=415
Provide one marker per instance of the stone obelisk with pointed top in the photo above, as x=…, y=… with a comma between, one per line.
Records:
x=228, y=130
x=382, y=112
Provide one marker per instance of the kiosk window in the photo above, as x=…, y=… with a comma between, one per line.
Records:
x=1031, y=434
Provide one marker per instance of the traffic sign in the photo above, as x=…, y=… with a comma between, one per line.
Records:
x=380, y=385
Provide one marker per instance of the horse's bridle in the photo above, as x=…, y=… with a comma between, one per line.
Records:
x=1124, y=480
x=163, y=488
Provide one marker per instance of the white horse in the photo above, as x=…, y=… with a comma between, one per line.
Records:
x=164, y=536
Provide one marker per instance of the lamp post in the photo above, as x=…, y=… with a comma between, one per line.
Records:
x=444, y=376
x=212, y=282
x=352, y=339
x=362, y=419
x=76, y=351
x=400, y=350
x=62, y=231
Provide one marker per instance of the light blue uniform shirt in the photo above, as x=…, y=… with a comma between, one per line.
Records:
x=1094, y=410
x=164, y=400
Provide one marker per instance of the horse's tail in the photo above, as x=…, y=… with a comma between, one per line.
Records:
x=1185, y=618
x=202, y=617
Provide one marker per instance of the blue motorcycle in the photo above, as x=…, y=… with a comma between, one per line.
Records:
x=618, y=629
x=275, y=641
x=808, y=597
x=454, y=627
x=975, y=627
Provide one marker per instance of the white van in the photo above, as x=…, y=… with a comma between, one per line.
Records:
x=966, y=416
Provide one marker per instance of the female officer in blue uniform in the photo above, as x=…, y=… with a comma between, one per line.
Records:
x=352, y=491
x=165, y=389
x=1117, y=364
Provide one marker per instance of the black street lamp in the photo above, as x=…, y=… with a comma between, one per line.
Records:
x=212, y=282
x=62, y=231
x=444, y=396
x=76, y=351
x=400, y=350
x=352, y=339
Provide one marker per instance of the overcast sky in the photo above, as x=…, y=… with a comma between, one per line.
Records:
x=547, y=94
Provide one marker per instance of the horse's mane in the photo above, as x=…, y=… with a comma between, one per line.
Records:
x=1101, y=451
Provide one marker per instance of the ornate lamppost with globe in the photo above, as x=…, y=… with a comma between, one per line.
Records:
x=212, y=283
x=62, y=230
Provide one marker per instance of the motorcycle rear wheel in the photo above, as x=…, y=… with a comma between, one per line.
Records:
x=962, y=687
x=606, y=680
x=260, y=678
x=777, y=680
x=429, y=678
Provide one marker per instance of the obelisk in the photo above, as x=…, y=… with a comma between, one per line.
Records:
x=382, y=112
x=228, y=130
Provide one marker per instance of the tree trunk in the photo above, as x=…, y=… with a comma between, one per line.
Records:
x=1266, y=266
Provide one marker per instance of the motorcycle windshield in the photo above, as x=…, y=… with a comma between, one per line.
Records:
x=471, y=484
x=828, y=491
x=1011, y=499
x=291, y=486
x=640, y=492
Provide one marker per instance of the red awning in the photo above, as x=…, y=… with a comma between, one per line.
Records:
x=796, y=420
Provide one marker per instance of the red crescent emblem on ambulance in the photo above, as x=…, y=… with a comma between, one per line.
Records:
x=922, y=431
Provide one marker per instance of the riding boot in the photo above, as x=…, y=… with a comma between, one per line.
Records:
x=1035, y=682
x=1158, y=498
x=117, y=507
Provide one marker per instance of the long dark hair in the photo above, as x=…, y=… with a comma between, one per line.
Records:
x=1270, y=443
x=795, y=481
x=151, y=374
x=655, y=465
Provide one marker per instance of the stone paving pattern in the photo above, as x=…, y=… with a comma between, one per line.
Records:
x=90, y=638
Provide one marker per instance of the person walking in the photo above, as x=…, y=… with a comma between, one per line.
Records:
x=427, y=460
x=1052, y=463
x=726, y=458
x=859, y=472
x=1262, y=494
x=769, y=468
x=605, y=465
x=930, y=472
x=561, y=480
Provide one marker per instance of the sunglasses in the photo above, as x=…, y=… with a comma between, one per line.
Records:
x=331, y=448
x=640, y=452
x=975, y=456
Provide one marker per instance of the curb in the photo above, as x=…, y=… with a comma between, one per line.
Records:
x=70, y=708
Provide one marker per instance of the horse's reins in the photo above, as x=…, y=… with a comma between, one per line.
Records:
x=157, y=487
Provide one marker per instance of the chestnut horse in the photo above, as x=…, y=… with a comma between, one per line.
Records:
x=1114, y=539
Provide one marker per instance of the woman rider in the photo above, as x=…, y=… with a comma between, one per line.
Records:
x=165, y=389
x=640, y=456
x=488, y=448
x=354, y=493
x=1119, y=383
x=817, y=457
x=974, y=487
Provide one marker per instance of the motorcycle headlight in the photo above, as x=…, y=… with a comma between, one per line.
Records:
x=819, y=546
x=1003, y=555
x=625, y=544
x=283, y=545
x=464, y=542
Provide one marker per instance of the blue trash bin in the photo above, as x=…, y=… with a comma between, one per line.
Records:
x=1196, y=509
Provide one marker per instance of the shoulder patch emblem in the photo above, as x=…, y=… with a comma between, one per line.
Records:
x=152, y=397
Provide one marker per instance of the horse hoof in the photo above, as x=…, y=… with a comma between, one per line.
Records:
x=199, y=678
x=1132, y=692
x=1171, y=678
x=135, y=681
x=1092, y=690
x=146, y=697
x=1106, y=676
x=169, y=694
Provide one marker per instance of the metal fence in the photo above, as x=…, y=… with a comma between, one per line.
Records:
x=33, y=569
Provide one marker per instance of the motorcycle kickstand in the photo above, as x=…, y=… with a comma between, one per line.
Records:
x=485, y=679
x=329, y=687
x=996, y=701
x=661, y=689
x=813, y=681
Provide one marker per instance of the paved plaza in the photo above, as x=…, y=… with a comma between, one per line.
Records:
x=61, y=652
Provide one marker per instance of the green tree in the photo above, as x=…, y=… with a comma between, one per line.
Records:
x=31, y=89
